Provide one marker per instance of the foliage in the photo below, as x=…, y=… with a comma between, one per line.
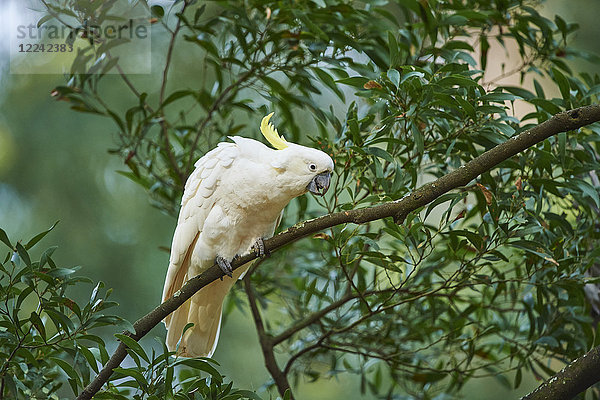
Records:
x=485, y=281
x=48, y=339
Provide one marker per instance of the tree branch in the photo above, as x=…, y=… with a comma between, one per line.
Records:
x=571, y=380
x=561, y=122
x=266, y=343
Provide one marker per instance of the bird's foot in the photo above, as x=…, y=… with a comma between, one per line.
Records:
x=259, y=248
x=224, y=265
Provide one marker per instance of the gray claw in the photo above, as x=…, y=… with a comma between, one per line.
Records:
x=224, y=265
x=259, y=248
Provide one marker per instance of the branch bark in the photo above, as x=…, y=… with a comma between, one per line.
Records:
x=266, y=343
x=571, y=380
x=561, y=122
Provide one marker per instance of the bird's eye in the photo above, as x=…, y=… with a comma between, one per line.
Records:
x=312, y=167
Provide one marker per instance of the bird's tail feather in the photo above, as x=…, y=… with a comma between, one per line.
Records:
x=204, y=311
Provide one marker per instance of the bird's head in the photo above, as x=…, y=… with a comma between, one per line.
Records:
x=299, y=168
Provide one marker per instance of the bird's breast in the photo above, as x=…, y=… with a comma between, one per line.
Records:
x=230, y=230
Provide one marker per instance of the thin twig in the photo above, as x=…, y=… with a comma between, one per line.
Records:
x=163, y=89
x=311, y=319
x=209, y=114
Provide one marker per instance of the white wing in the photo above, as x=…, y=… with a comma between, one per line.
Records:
x=195, y=207
x=202, y=215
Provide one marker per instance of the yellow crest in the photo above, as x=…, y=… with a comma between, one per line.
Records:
x=271, y=134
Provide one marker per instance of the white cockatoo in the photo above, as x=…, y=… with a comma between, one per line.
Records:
x=232, y=200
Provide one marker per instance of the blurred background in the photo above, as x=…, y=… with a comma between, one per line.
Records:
x=55, y=166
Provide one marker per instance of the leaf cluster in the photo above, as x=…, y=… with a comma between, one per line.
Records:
x=50, y=341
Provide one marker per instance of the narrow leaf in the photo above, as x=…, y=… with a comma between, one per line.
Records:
x=133, y=345
x=39, y=237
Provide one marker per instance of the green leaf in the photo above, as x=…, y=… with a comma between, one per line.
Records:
x=110, y=64
x=23, y=295
x=89, y=357
x=61, y=272
x=548, y=341
x=177, y=95
x=499, y=97
x=187, y=326
x=201, y=364
x=44, y=19
x=378, y=152
x=562, y=26
x=247, y=394
x=394, y=76
x=546, y=105
x=356, y=81
x=419, y=140
x=135, y=374
x=101, y=350
x=94, y=294
x=117, y=119
x=11, y=385
x=4, y=239
x=36, y=321
x=588, y=190
x=198, y=13
x=411, y=74
x=60, y=319
x=393, y=49
x=522, y=93
x=274, y=85
x=442, y=199
x=563, y=85
x=562, y=145
x=329, y=82
x=39, y=237
x=69, y=370
x=287, y=395
x=312, y=27
x=133, y=345
x=457, y=80
x=466, y=106
x=207, y=45
x=533, y=248
x=455, y=20
x=472, y=237
x=23, y=254
x=539, y=90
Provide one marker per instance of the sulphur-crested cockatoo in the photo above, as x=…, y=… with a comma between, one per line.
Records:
x=232, y=200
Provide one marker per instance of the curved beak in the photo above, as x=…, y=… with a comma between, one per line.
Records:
x=320, y=183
